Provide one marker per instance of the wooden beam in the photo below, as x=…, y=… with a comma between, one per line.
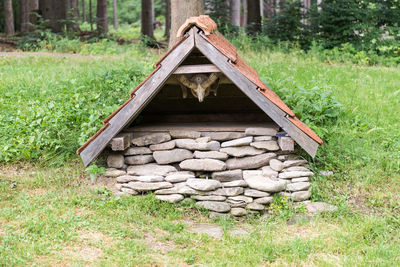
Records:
x=203, y=68
x=141, y=98
x=250, y=89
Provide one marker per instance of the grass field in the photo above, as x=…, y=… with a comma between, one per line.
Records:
x=50, y=213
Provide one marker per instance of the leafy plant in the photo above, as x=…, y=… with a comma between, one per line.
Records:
x=94, y=171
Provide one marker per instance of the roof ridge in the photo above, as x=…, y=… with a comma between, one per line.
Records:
x=204, y=22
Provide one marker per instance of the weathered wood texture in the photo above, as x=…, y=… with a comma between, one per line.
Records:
x=189, y=69
x=250, y=89
x=141, y=98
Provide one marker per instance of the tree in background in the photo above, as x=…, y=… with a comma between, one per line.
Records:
x=115, y=18
x=102, y=17
x=180, y=11
x=26, y=16
x=147, y=18
x=9, y=17
x=167, y=18
x=253, y=16
x=235, y=12
x=220, y=12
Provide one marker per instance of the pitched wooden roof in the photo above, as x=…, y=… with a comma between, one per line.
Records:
x=201, y=33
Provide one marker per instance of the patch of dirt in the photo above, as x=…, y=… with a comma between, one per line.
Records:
x=162, y=247
x=6, y=47
x=88, y=253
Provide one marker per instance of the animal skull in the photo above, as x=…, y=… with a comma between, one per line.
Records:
x=200, y=85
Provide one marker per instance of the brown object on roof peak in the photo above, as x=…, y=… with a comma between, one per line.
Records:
x=203, y=22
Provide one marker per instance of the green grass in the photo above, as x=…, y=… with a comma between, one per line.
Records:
x=49, y=106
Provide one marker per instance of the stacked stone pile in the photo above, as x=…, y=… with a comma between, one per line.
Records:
x=236, y=172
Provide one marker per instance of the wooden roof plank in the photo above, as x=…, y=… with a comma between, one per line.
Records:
x=203, y=68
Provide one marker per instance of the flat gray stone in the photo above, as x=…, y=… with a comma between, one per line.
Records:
x=216, y=206
x=139, y=159
x=286, y=143
x=264, y=200
x=261, y=131
x=141, y=186
x=266, y=145
x=236, y=203
x=210, y=155
x=133, y=151
x=125, y=179
x=151, y=139
x=203, y=184
x=267, y=171
x=163, y=146
x=191, y=144
x=296, y=168
x=257, y=181
x=301, y=179
x=263, y=138
x=149, y=178
x=178, y=177
x=241, y=183
x=229, y=191
x=244, y=141
x=216, y=215
x=316, y=207
x=185, y=134
x=224, y=136
x=129, y=191
x=237, y=212
x=276, y=165
x=203, y=165
x=300, y=195
x=167, y=191
x=291, y=163
x=227, y=176
x=241, y=151
x=208, y=198
x=204, y=139
x=253, y=162
x=294, y=174
x=171, y=156
x=300, y=186
x=115, y=160
x=186, y=190
x=112, y=172
x=255, y=206
x=241, y=198
x=215, y=231
x=150, y=169
x=255, y=193
x=173, y=198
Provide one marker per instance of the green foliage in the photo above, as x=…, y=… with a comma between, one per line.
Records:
x=94, y=170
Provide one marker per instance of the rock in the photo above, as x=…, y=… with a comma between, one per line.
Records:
x=118, y=186
x=286, y=143
x=276, y=165
x=224, y=136
x=203, y=184
x=209, y=198
x=210, y=155
x=186, y=190
x=216, y=215
x=300, y=195
x=227, y=176
x=253, y=162
x=294, y=174
x=151, y=139
x=133, y=151
x=167, y=191
x=209, y=229
x=163, y=146
x=115, y=160
x=300, y=186
x=301, y=179
x=214, y=206
x=266, y=145
x=178, y=177
x=185, y=134
x=241, y=198
x=241, y=151
x=150, y=169
x=193, y=145
x=315, y=207
x=290, y=163
x=261, y=131
x=125, y=179
x=283, y=157
x=202, y=165
x=241, y=183
x=255, y=193
x=171, y=156
x=142, y=186
x=139, y=159
x=264, y=200
x=174, y=198
x=229, y=191
x=238, y=212
x=244, y=141
x=296, y=168
x=204, y=139
x=263, y=138
x=236, y=203
x=255, y=206
x=149, y=178
x=257, y=181
x=268, y=172
x=129, y=191
x=112, y=172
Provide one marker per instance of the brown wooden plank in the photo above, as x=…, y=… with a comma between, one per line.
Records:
x=203, y=68
x=142, y=97
x=250, y=89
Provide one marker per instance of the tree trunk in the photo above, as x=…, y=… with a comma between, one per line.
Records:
x=253, y=17
x=9, y=17
x=167, y=18
x=55, y=11
x=73, y=11
x=269, y=9
x=180, y=11
x=102, y=17
x=83, y=10
x=147, y=18
x=115, y=18
x=90, y=15
x=243, y=18
x=235, y=12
